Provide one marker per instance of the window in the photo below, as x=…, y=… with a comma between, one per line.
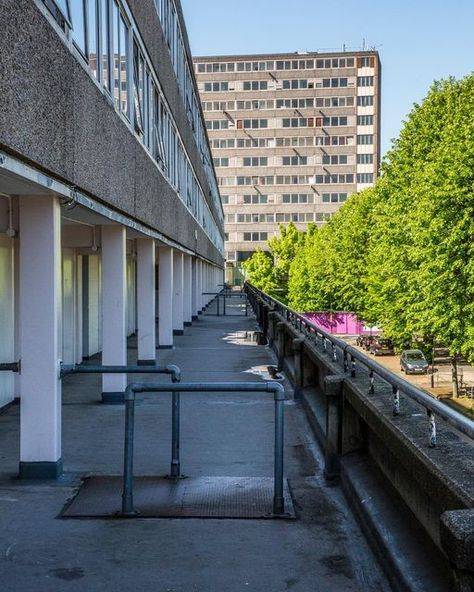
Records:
x=255, y=161
x=365, y=120
x=216, y=86
x=334, y=159
x=252, y=123
x=366, y=62
x=365, y=81
x=365, y=159
x=255, y=199
x=123, y=62
x=216, y=124
x=333, y=179
x=221, y=162
x=334, y=197
x=255, y=236
x=137, y=88
x=78, y=24
x=365, y=177
x=225, y=199
x=105, y=44
x=297, y=198
x=255, y=85
x=365, y=139
x=92, y=46
x=365, y=101
x=294, y=160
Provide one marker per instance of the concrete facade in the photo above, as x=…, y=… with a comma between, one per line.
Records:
x=292, y=136
x=106, y=182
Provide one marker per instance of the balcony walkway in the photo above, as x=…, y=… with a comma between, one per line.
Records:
x=222, y=435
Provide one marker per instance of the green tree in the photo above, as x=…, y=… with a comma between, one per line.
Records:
x=259, y=271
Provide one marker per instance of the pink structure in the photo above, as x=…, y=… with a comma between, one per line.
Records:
x=339, y=323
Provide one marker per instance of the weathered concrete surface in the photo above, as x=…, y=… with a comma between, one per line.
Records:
x=228, y=434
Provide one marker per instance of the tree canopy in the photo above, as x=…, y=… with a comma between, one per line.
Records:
x=399, y=254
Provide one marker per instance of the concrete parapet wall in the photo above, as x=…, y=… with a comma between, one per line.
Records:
x=435, y=484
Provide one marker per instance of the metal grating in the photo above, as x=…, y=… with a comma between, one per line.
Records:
x=200, y=497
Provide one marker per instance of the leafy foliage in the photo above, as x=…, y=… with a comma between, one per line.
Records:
x=401, y=254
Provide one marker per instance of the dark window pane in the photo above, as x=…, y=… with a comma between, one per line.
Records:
x=78, y=26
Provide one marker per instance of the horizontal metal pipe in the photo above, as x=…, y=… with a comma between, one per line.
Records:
x=84, y=369
x=212, y=387
x=137, y=387
x=454, y=418
x=9, y=367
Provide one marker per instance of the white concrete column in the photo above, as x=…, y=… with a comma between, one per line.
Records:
x=194, y=298
x=178, y=295
x=201, y=285
x=40, y=311
x=114, y=310
x=146, y=301
x=188, y=291
x=165, y=297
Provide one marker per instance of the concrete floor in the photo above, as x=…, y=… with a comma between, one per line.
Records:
x=222, y=434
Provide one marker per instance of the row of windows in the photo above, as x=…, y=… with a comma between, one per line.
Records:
x=306, y=103
x=365, y=81
x=362, y=139
x=103, y=28
x=254, y=180
x=314, y=121
x=294, y=122
x=293, y=160
x=286, y=198
x=269, y=218
x=292, y=84
x=296, y=64
x=182, y=65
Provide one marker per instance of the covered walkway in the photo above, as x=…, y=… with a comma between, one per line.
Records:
x=222, y=435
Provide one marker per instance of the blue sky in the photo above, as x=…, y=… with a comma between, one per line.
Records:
x=419, y=40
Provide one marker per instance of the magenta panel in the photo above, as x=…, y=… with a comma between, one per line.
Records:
x=338, y=323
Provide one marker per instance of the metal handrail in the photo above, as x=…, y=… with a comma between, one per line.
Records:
x=454, y=418
x=269, y=387
x=170, y=369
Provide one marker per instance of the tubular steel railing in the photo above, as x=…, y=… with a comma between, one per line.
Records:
x=226, y=295
x=170, y=369
x=269, y=387
x=349, y=357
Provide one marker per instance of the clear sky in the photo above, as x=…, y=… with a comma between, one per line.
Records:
x=418, y=40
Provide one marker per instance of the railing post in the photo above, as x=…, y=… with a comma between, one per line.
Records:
x=127, y=494
x=280, y=344
x=333, y=392
x=298, y=363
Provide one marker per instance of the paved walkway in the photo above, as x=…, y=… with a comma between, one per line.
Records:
x=222, y=435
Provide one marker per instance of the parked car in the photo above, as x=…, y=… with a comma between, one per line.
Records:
x=381, y=346
x=412, y=361
x=365, y=341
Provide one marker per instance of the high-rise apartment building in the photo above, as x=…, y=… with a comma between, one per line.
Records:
x=292, y=137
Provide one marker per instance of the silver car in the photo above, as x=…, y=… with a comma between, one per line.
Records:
x=412, y=361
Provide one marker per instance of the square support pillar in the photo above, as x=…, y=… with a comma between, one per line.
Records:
x=146, y=302
x=333, y=388
x=195, y=298
x=178, y=294
x=165, y=297
x=200, y=286
x=187, y=291
x=114, y=311
x=40, y=313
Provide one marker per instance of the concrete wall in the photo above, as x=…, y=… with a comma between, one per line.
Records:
x=53, y=115
x=434, y=485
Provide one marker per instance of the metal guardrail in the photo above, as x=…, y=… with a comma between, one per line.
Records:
x=225, y=295
x=269, y=387
x=350, y=356
x=171, y=369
